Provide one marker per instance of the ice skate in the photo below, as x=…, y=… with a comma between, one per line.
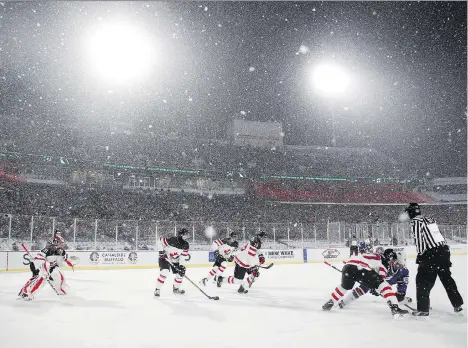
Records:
x=203, y=281
x=219, y=282
x=157, y=293
x=421, y=315
x=178, y=291
x=25, y=297
x=241, y=290
x=328, y=305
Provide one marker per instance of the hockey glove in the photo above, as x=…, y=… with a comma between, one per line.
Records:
x=231, y=258
x=255, y=273
x=181, y=270
x=374, y=292
x=261, y=259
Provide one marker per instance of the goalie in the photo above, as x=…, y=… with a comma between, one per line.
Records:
x=43, y=265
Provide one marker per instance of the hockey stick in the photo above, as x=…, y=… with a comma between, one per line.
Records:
x=266, y=267
x=195, y=285
x=47, y=277
x=289, y=246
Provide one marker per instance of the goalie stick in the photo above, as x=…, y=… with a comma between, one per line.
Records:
x=195, y=285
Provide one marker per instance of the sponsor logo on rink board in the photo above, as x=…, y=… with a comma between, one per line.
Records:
x=112, y=258
x=331, y=253
x=279, y=254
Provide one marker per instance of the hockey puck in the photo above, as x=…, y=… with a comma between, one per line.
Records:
x=215, y=298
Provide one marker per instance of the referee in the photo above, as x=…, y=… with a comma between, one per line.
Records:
x=433, y=260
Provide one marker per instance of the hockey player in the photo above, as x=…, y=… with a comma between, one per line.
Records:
x=396, y=273
x=353, y=246
x=247, y=258
x=224, y=251
x=367, y=269
x=172, y=257
x=44, y=263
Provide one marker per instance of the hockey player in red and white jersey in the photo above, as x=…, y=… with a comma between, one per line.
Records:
x=367, y=269
x=44, y=263
x=175, y=251
x=246, y=260
x=224, y=251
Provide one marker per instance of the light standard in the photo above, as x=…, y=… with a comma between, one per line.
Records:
x=330, y=81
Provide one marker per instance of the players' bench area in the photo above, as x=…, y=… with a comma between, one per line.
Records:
x=17, y=261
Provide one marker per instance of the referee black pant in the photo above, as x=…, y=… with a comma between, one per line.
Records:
x=435, y=262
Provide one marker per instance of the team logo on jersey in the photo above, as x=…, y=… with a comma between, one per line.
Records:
x=331, y=253
x=133, y=257
x=94, y=257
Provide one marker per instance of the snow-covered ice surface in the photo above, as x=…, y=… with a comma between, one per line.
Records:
x=283, y=309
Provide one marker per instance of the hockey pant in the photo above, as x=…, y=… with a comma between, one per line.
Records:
x=42, y=273
x=164, y=269
x=351, y=274
x=239, y=275
x=218, y=268
x=353, y=249
x=435, y=262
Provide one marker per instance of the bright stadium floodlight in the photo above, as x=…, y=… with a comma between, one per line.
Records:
x=330, y=79
x=120, y=52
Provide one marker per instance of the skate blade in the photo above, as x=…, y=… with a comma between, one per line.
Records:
x=398, y=316
x=425, y=318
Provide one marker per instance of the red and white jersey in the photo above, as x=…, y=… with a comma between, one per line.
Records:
x=176, y=251
x=247, y=256
x=369, y=261
x=225, y=250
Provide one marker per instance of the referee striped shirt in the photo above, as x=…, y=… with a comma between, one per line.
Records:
x=426, y=234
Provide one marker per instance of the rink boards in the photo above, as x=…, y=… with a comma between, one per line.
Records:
x=19, y=261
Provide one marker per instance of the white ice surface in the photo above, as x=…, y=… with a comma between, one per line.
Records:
x=283, y=309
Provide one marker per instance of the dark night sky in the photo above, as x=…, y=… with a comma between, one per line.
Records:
x=217, y=59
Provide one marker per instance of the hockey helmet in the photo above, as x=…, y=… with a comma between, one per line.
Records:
x=261, y=236
x=234, y=244
x=389, y=254
x=413, y=210
x=232, y=235
x=400, y=259
x=379, y=250
x=183, y=233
